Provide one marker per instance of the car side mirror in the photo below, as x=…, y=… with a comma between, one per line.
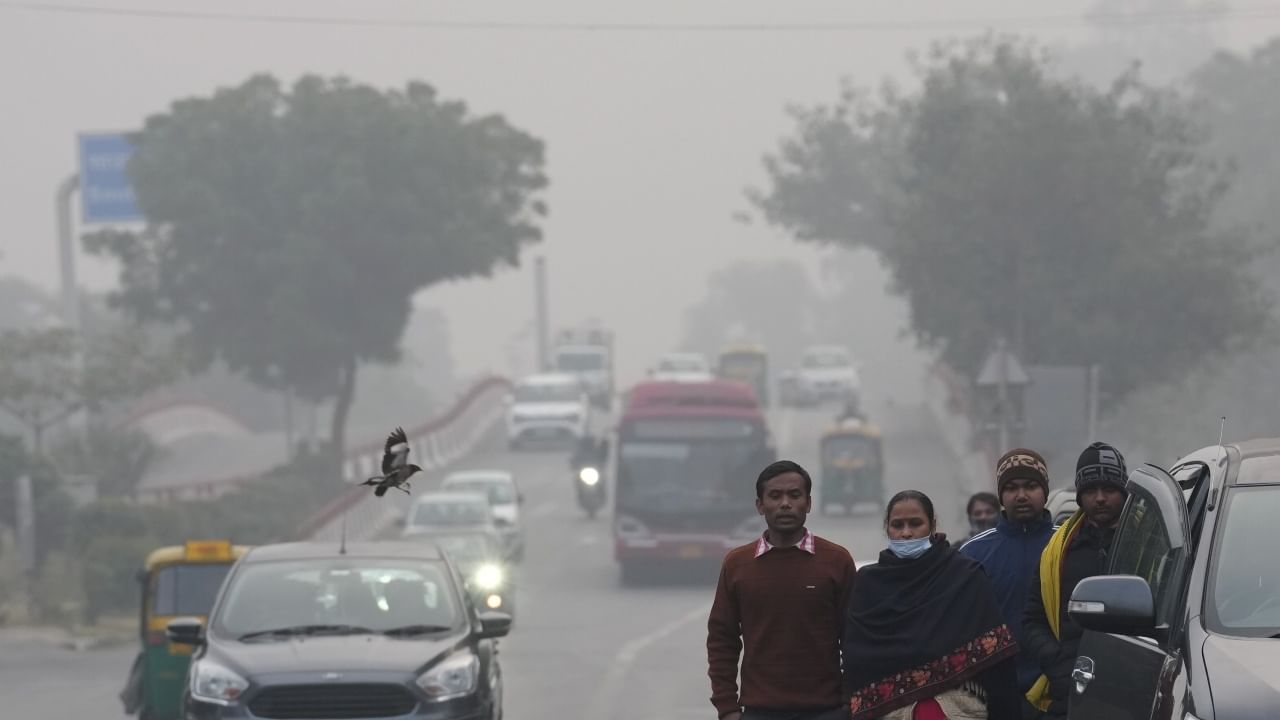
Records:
x=1114, y=604
x=494, y=625
x=184, y=630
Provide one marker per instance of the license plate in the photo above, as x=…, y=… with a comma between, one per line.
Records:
x=690, y=551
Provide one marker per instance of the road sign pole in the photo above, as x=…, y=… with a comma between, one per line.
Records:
x=66, y=254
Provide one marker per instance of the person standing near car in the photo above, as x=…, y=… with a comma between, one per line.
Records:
x=1077, y=550
x=1010, y=552
x=778, y=608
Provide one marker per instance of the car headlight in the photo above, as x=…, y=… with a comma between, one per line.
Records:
x=214, y=683
x=589, y=476
x=488, y=577
x=454, y=677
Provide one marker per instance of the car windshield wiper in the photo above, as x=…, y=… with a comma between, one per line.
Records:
x=416, y=629
x=309, y=630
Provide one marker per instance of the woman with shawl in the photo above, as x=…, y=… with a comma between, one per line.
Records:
x=923, y=637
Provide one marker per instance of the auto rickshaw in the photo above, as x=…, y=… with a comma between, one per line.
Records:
x=852, y=466
x=749, y=364
x=176, y=581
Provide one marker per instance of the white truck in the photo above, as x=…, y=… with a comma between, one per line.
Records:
x=587, y=354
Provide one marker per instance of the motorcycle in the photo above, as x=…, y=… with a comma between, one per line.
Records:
x=590, y=490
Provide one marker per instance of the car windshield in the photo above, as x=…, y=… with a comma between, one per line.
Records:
x=499, y=492
x=579, y=361
x=186, y=589
x=742, y=365
x=548, y=392
x=826, y=360
x=355, y=594
x=468, y=548
x=1246, y=583
x=451, y=512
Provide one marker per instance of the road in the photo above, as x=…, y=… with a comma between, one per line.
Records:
x=583, y=647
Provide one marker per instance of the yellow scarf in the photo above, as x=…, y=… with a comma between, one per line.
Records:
x=1050, y=594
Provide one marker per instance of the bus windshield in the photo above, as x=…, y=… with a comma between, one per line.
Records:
x=684, y=475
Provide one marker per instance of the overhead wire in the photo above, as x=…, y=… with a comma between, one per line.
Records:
x=1201, y=16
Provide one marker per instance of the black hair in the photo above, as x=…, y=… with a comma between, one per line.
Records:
x=982, y=497
x=916, y=495
x=782, y=467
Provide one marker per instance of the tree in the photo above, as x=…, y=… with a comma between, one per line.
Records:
x=1008, y=202
x=45, y=377
x=117, y=458
x=288, y=229
x=774, y=303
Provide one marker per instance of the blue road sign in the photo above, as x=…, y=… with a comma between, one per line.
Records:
x=106, y=192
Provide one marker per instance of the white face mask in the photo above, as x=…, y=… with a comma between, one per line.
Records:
x=908, y=549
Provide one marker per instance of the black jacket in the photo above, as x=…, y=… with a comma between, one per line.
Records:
x=1085, y=557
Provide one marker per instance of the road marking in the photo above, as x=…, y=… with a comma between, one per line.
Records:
x=604, y=700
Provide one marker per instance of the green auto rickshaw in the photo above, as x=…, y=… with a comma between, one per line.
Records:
x=852, y=466
x=176, y=581
x=748, y=364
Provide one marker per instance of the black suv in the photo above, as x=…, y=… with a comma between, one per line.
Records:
x=1187, y=623
x=382, y=630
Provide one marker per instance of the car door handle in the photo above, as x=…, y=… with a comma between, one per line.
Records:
x=1083, y=673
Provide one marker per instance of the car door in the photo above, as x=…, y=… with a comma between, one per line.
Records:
x=1120, y=676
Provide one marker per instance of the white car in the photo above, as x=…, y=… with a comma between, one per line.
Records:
x=552, y=406
x=435, y=511
x=683, y=367
x=828, y=372
x=504, y=501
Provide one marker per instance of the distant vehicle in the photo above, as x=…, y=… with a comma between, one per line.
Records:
x=1062, y=504
x=748, y=364
x=304, y=630
x=682, y=367
x=828, y=373
x=433, y=511
x=587, y=354
x=552, y=406
x=481, y=558
x=852, y=466
x=504, y=500
x=1186, y=622
x=683, y=450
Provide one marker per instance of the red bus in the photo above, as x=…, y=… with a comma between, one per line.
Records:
x=687, y=457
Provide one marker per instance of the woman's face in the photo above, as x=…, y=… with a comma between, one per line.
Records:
x=908, y=521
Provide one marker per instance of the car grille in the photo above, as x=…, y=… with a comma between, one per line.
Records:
x=332, y=702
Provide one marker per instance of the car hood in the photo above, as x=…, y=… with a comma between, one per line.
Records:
x=547, y=409
x=350, y=653
x=1244, y=676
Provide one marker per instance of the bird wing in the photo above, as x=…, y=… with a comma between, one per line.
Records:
x=396, y=451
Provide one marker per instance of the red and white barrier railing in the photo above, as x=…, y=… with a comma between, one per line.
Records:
x=433, y=445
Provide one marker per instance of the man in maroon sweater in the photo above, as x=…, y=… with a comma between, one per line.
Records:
x=779, y=606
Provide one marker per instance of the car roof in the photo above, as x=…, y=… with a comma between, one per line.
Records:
x=473, y=475
x=438, y=496
x=549, y=379
x=316, y=550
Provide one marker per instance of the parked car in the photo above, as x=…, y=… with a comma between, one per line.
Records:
x=312, y=630
x=1186, y=624
x=499, y=486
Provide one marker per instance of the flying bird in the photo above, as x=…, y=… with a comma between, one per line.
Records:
x=395, y=470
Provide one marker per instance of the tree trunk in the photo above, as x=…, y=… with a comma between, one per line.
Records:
x=342, y=408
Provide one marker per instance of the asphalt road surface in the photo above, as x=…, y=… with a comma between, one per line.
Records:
x=583, y=646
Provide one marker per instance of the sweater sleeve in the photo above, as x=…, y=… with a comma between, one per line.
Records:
x=724, y=646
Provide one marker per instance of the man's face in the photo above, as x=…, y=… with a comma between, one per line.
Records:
x=1102, y=504
x=1023, y=499
x=785, y=503
x=983, y=516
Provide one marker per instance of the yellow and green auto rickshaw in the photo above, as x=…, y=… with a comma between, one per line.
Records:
x=176, y=581
x=749, y=364
x=852, y=466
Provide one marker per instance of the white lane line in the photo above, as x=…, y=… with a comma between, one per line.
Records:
x=603, y=701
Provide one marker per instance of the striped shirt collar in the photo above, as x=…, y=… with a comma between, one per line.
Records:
x=806, y=544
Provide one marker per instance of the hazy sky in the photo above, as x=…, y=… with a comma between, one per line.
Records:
x=652, y=135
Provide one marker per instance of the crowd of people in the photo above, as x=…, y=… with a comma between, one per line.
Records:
x=931, y=631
